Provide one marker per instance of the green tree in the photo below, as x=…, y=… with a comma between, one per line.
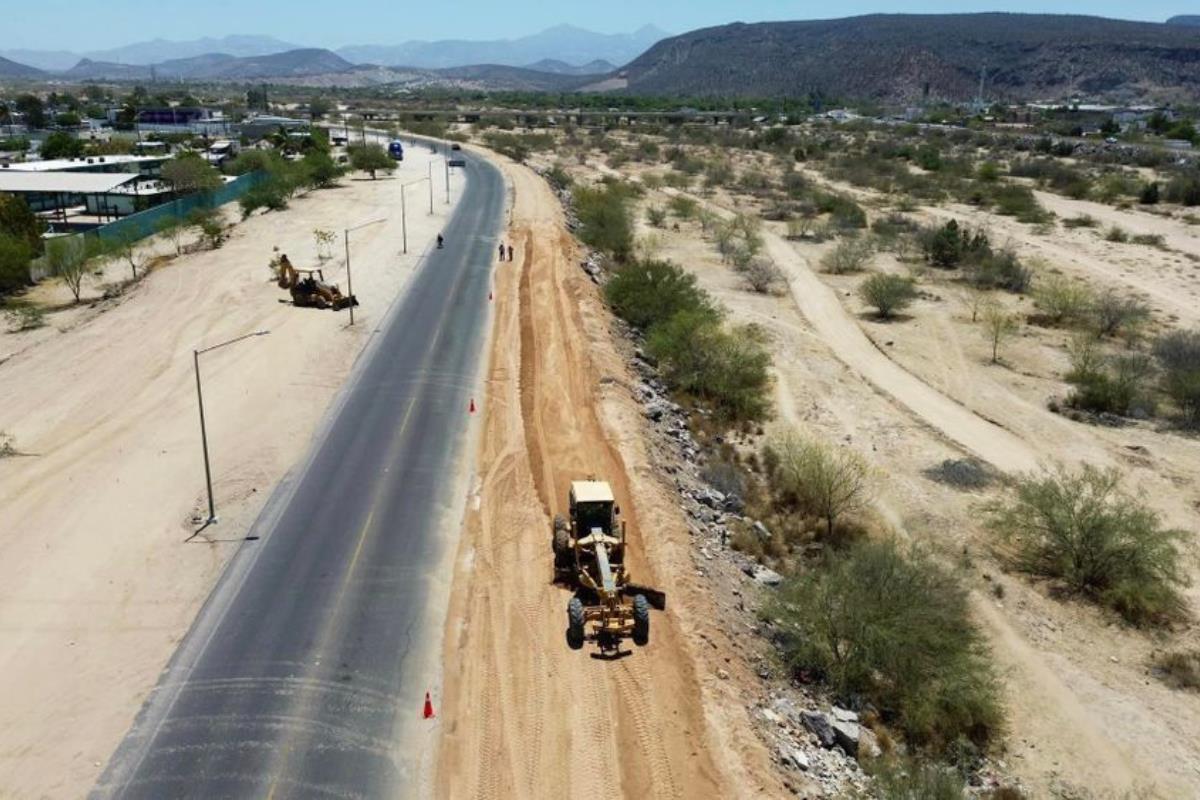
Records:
x=15, y=255
x=18, y=221
x=126, y=247
x=30, y=106
x=61, y=144
x=318, y=107
x=320, y=170
x=189, y=173
x=371, y=158
x=649, y=292
x=67, y=259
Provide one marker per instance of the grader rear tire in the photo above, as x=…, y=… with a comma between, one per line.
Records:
x=641, y=620
x=575, y=619
x=561, y=544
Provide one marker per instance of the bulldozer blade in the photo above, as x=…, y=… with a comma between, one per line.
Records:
x=656, y=598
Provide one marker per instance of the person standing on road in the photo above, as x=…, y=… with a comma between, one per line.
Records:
x=502, y=251
x=510, y=252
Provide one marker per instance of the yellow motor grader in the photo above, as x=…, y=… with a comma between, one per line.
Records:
x=311, y=290
x=589, y=556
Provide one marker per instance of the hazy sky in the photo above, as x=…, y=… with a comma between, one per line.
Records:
x=87, y=25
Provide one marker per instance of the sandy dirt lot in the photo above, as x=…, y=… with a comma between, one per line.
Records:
x=523, y=715
x=1084, y=707
x=101, y=568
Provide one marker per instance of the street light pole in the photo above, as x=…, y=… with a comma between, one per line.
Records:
x=349, y=279
x=212, y=512
x=430, y=164
x=446, y=161
x=404, y=209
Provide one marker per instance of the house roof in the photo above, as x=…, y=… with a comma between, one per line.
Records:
x=69, y=164
x=65, y=182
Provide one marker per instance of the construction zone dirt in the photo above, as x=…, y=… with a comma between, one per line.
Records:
x=524, y=715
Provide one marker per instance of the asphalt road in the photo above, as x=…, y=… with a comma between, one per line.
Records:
x=299, y=676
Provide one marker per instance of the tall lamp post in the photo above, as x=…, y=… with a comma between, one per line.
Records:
x=349, y=279
x=404, y=209
x=212, y=512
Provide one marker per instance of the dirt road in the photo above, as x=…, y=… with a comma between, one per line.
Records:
x=523, y=715
x=100, y=574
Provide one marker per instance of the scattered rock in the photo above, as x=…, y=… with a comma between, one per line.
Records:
x=846, y=736
x=844, y=715
x=767, y=577
x=799, y=758
x=818, y=723
x=868, y=744
x=763, y=533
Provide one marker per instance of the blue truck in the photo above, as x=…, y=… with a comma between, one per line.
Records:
x=396, y=150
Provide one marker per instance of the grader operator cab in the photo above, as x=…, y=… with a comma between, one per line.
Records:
x=309, y=289
x=589, y=556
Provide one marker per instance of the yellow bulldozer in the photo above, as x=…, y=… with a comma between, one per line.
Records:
x=309, y=289
x=589, y=557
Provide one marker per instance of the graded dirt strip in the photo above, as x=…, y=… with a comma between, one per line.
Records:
x=523, y=715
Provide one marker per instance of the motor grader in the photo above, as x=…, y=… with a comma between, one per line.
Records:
x=309, y=289
x=589, y=556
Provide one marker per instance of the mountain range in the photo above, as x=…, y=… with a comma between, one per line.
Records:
x=1188, y=20
x=908, y=58
x=573, y=47
x=566, y=43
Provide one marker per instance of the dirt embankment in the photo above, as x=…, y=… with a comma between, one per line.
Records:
x=523, y=715
x=100, y=574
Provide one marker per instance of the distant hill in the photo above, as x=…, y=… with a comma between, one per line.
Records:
x=51, y=60
x=217, y=67
x=1187, y=20
x=565, y=43
x=597, y=67
x=12, y=69
x=903, y=58
x=157, y=50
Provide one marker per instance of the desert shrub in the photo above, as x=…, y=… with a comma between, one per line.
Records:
x=1019, y=202
x=1184, y=189
x=271, y=194
x=763, y=275
x=1178, y=355
x=999, y=325
x=726, y=369
x=1114, y=313
x=1179, y=669
x=1082, y=529
x=656, y=216
x=1148, y=196
x=892, y=627
x=844, y=213
x=849, y=255
x=823, y=481
x=1109, y=384
x=1081, y=221
x=718, y=173
x=962, y=473
x=915, y=779
x=948, y=245
x=1062, y=300
x=1117, y=235
x=15, y=257
x=25, y=317
x=887, y=293
x=890, y=228
x=998, y=269
x=1150, y=239
x=682, y=206
x=558, y=177
x=646, y=293
x=604, y=219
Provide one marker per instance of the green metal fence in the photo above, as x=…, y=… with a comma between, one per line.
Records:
x=145, y=223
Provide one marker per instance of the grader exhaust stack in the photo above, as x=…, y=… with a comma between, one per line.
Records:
x=589, y=556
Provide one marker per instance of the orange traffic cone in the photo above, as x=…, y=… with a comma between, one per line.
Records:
x=428, y=713
x=471, y=410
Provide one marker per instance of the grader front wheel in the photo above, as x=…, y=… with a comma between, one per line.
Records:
x=641, y=621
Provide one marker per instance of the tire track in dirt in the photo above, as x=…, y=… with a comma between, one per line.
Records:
x=522, y=712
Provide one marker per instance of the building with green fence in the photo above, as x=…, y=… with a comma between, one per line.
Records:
x=146, y=223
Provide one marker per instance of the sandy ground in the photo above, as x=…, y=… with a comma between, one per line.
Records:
x=100, y=571
x=523, y=715
x=1083, y=708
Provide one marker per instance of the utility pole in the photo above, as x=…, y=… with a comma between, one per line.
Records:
x=212, y=511
x=404, y=209
x=431, y=187
x=349, y=279
x=446, y=161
